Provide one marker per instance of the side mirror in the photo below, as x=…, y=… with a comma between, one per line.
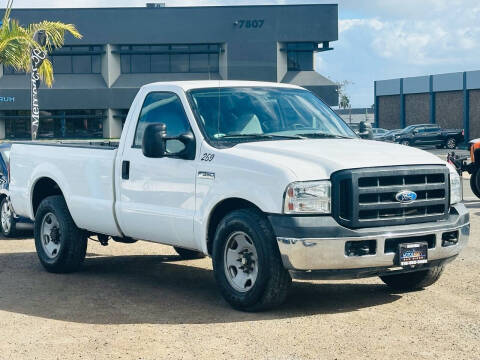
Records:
x=155, y=143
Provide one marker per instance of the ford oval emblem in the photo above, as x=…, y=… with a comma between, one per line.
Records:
x=406, y=196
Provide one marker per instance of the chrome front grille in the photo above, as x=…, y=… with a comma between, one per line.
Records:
x=367, y=197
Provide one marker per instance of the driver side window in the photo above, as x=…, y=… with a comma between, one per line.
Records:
x=167, y=108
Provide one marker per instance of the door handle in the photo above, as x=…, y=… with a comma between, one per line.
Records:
x=125, y=169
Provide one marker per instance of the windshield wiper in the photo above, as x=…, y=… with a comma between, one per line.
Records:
x=324, y=136
x=259, y=136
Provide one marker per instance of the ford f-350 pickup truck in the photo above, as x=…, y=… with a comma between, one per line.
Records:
x=262, y=177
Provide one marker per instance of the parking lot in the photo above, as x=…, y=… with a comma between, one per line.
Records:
x=141, y=302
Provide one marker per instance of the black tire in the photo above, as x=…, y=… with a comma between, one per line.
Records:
x=72, y=240
x=475, y=182
x=187, y=254
x=10, y=229
x=451, y=143
x=405, y=142
x=272, y=280
x=414, y=280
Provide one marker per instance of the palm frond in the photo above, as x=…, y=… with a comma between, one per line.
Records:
x=14, y=39
x=16, y=43
x=46, y=72
x=55, y=32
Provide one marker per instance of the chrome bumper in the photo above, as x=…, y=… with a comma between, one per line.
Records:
x=307, y=254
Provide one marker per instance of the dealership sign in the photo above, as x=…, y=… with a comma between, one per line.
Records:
x=37, y=57
x=7, y=99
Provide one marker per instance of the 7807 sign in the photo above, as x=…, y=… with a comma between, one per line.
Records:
x=249, y=23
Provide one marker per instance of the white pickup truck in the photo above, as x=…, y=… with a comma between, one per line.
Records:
x=262, y=177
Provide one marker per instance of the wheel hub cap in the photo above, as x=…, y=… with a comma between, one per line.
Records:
x=50, y=233
x=241, y=261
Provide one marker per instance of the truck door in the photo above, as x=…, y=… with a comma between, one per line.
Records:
x=419, y=135
x=157, y=195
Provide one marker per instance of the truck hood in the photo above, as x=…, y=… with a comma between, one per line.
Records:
x=318, y=158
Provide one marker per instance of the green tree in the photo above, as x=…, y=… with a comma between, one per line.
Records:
x=17, y=41
x=344, y=101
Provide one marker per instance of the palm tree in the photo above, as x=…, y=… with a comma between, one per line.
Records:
x=17, y=41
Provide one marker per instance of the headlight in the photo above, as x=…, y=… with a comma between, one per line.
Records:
x=456, y=187
x=309, y=197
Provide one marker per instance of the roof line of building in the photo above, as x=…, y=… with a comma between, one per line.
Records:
x=167, y=7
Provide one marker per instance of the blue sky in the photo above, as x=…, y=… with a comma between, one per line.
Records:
x=378, y=39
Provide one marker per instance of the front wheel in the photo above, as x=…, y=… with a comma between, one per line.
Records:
x=247, y=263
x=414, y=280
x=405, y=142
x=475, y=182
x=61, y=246
x=9, y=225
x=451, y=143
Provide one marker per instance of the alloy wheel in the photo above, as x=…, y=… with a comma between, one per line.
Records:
x=6, y=217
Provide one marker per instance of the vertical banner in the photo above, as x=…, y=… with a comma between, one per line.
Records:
x=37, y=56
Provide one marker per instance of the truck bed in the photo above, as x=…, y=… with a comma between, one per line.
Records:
x=101, y=145
x=84, y=172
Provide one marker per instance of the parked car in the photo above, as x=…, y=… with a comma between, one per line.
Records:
x=379, y=131
x=8, y=218
x=387, y=136
x=263, y=177
x=430, y=134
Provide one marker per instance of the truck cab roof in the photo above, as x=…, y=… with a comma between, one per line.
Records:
x=200, y=84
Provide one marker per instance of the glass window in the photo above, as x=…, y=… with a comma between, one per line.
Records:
x=140, y=63
x=199, y=63
x=177, y=58
x=82, y=64
x=160, y=63
x=298, y=61
x=125, y=61
x=199, y=48
x=96, y=64
x=213, y=61
x=8, y=70
x=62, y=64
x=300, y=56
x=248, y=113
x=163, y=107
x=56, y=124
x=76, y=60
x=179, y=63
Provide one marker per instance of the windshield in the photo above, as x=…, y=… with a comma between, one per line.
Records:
x=407, y=129
x=255, y=113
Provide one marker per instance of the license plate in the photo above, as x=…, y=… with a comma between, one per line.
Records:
x=413, y=253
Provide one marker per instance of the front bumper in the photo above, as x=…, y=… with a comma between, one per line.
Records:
x=315, y=246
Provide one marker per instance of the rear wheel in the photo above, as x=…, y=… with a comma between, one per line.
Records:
x=247, y=263
x=475, y=182
x=9, y=225
x=415, y=280
x=60, y=245
x=451, y=143
x=187, y=254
